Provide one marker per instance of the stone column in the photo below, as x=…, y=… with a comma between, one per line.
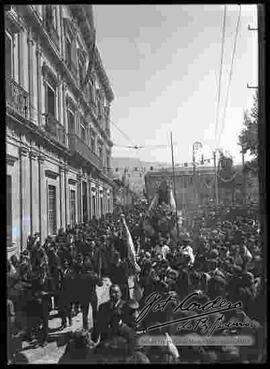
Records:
x=97, y=200
x=39, y=96
x=25, y=196
x=34, y=198
x=111, y=201
x=88, y=197
x=66, y=193
x=64, y=111
x=21, y=66
x=30, y=73
x=42, y=199
x=104, y=201
x=107, y=201
x=62, y=191
x=79, y=198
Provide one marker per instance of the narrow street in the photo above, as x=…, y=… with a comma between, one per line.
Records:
x=57, y=340
x=136, y=183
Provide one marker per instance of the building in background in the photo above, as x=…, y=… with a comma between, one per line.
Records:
x=123, y=196
x=133, y=170
x=197, y=188
x=58, y=141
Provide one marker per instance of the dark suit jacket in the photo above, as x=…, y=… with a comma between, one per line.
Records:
x=85, y=286
x=105, y=312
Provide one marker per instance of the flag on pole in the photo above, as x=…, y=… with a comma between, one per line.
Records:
x=154, y=202
x=171, y=199
x=130, y=246
x=91, y=60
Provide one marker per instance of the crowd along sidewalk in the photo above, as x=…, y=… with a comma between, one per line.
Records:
x=57, y=340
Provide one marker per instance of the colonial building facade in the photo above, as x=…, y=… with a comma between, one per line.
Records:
x=197, y=188
x=58, y=145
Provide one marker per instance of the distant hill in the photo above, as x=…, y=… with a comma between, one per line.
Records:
x=133, y=171
x=123, y=162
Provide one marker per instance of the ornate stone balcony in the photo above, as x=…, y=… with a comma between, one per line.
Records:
x=102, y=121
x=78, y=146
x=55, y=129
x=72, y=67
x=54, y=36
x=108, y=173
x=17, y=99
x=48, y=25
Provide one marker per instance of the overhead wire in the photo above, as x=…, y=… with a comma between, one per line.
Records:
x=42, y=114
x=221, y=68
x=230, y=75
x=133, y=146
x=123, y=133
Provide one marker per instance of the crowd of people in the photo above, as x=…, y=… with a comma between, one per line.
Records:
x=222, y=259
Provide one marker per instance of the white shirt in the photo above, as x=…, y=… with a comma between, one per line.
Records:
x=165, y=249
x=188, y=250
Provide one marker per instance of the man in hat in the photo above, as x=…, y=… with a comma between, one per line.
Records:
x=65, y=297
x=95, y=256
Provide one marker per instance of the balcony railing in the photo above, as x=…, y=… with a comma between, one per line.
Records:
x=48, y=24
x=55, y=128
x=77, y=145
x=72, y=67
x=17, y=98
x=102, y=121
x=54, y=36
x=108, y=173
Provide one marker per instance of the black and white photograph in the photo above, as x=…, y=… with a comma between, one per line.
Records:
x=135, y=139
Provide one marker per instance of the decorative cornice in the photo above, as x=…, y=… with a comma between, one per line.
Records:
x=33, y=155
x=48, y=73
x=103, y=76
x=41, y=159
x=38, y=49
x=72, y=181
x=13, y=21
x=30, y=41
x=23, y=151
x=68, y=23
x=51, y=174
x=10, y=159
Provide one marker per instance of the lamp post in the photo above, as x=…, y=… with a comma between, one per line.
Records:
x=195, y=147
x=244, y=175
x=216, y=179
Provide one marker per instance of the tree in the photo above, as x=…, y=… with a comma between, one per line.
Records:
x=248, y=138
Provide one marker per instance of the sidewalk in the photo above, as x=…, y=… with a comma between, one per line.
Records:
x=57, y=340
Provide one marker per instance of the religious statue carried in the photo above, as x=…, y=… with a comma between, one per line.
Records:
x=162, y=210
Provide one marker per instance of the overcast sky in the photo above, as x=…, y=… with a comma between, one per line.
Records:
x=163, y=64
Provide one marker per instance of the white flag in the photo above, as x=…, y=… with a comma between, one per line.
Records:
x=131, y=248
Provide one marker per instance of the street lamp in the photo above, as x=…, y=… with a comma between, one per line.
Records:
x=197, y=145
x=243, y=174
x=216, y=179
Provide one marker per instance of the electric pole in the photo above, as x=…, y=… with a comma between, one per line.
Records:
x=244, y=176
x=174, y=191
x=216, y=179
